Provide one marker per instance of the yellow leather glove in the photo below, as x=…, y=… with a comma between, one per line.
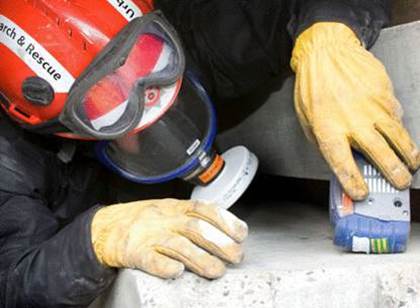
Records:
x=162, y=237
x=344, y=99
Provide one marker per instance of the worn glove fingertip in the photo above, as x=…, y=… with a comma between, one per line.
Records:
x=357, y=193
x=174, y=272
x=237, y=256
x=403, y=185
x=237, y=227
x=400, y=178
x=215, y=270
x=354, y=185
x=413, y=160
x=242, y=233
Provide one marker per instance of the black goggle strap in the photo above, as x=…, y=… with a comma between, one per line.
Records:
x=110, y=59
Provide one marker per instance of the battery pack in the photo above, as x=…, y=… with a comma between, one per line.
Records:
x=380, y=224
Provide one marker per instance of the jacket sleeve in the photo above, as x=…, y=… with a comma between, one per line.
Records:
x=42, y=265
x=46, y=258
x=366, y=18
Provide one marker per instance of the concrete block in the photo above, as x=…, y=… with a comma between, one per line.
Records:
x=290, y=262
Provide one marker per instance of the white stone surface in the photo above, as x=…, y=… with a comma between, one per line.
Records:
x=290, y=262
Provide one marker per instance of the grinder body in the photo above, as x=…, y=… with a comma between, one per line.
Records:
x=379, y=224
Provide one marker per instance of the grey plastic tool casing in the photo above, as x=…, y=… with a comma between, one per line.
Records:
x=384, y=201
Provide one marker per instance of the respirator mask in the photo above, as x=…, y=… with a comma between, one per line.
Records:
x=175, y=140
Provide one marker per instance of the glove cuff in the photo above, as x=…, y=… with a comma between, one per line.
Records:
x=99, y=235
x=320, y=36
x=104, y=221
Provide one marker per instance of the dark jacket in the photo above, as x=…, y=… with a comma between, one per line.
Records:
x=46, y=206
x=238, y=45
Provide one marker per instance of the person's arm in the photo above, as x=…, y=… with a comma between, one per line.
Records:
x=344, y=97
x=365, y=18
x=43, y=266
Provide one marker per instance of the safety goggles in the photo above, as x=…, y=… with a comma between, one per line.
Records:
x=109, y=98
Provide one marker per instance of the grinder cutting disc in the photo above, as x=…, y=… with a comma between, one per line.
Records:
x=240, y=168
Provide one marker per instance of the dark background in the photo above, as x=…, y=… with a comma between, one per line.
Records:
x=405, y=11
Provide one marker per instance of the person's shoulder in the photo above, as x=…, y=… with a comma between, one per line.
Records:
x=23, y=164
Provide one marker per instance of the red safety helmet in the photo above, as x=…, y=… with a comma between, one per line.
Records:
x=94, y=69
